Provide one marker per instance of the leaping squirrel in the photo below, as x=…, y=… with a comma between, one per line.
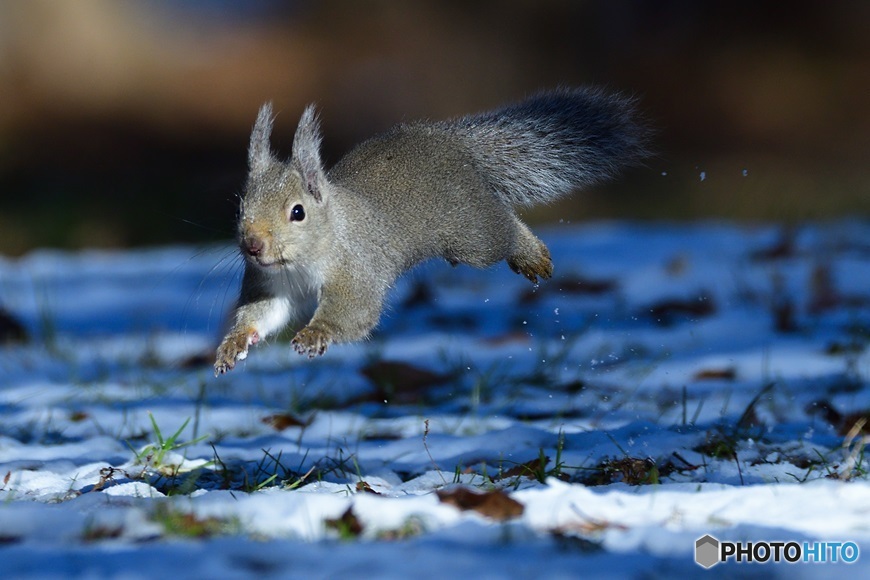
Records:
x=340, y=238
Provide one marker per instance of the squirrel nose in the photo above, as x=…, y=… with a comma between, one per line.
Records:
x=253, y=246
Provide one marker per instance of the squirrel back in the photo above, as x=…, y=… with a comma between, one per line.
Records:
x=529, y=153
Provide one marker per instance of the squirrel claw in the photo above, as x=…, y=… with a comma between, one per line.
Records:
x=531, y=271
x=234, y=347
x=224, y=363
x=223, y=367
x=532, y=265
x=310, y=342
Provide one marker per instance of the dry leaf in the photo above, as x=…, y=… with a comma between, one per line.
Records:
x=727, y=374
x=493, y=504
x=628, y=470
x=347, y=525
x=527, y=469
x=78, y=416
x=281, y=421
x=513, y=337
x=365, y=487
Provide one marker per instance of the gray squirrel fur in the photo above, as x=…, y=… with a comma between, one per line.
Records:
x=421, y=190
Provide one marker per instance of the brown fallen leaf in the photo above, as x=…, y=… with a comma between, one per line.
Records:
x=100, y=533
x=281, y=421
x=365, y=487
x=493, y=504
x=78, y=416
x=629, y=470
x=727, y=374
x=514, y=337
x=347, y=526
x=107, y=476
x=527, y=469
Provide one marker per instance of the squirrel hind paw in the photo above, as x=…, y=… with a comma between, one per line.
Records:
x=533, y=267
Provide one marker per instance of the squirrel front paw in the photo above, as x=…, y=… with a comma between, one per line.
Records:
x=311, y=341
x=234, y=347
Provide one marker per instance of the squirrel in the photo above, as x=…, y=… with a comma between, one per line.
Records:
x=333, y=242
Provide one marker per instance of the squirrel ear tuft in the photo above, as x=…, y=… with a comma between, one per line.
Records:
x=259, y=152
x=306, y=153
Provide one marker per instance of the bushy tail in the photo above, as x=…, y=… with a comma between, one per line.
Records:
x=541, y=149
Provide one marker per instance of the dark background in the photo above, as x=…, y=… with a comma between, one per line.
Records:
x=126, y=123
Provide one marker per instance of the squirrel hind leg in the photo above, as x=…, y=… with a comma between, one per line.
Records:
x=530, y=257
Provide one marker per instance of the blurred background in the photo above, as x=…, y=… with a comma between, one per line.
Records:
x=126, y=123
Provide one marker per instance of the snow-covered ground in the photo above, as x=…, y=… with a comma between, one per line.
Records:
x=672, y=381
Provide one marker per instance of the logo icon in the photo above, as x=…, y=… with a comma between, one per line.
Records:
x=707, y=551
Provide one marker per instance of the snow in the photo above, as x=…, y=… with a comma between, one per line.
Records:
x=693, y=345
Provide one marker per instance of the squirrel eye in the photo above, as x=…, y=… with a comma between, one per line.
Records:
x=297, y=214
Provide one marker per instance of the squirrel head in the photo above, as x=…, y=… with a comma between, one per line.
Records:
x=284, y=216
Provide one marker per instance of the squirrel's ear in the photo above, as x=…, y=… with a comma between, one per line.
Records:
x=306, y=153
x=259, y=152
